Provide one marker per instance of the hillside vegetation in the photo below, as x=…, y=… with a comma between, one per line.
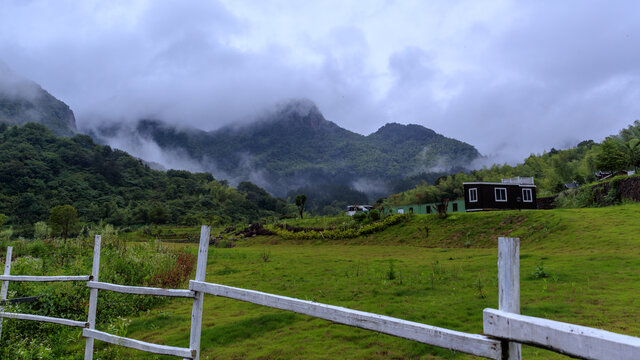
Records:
x=551, y=170
x=577, y=265
x=39, y=171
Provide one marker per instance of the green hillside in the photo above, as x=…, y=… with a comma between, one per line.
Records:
x=39, y=171
x=576, y=266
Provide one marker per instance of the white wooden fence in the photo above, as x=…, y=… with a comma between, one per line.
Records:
x=505, y=328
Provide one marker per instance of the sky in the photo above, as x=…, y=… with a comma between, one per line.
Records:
x=509, y=77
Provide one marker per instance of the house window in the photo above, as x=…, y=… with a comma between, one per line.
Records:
x=410, y=210
x=501, y=194
x=455, y=207
x=527, y=195
x=428, y=209
x=473, y=195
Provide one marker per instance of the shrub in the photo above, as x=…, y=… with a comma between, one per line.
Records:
x=41, y=230
x=539, y=272
x=374, y=215
x=149, y=264
x=359, y=216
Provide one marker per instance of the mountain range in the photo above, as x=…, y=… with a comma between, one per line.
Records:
x=294, y=146
x=288, y=148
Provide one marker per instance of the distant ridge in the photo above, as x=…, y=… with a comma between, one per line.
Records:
x=293, y=146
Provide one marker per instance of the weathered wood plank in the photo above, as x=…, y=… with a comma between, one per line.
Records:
x=93, y=297
x=198, y=301
x=478, y=345
x=140, y=290
x=44, y=278
x=5, y=284
x=138, y=345
x=573, y=340
x=48, y=319
x=509, y=288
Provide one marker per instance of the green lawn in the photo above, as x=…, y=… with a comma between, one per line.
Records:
x=591, y=259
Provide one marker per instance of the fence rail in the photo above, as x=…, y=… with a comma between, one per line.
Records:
x=454, y=340
x=573, y=340
x=140, y=290
x=40, y=318
x=505, y=328
x=138, y=345
x=44, y=278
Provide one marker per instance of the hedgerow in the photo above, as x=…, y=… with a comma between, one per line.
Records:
x=339, y=233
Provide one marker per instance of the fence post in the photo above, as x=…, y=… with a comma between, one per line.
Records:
x=198, y=301
x=509, y=288
x=93, y=298
x=5, y=284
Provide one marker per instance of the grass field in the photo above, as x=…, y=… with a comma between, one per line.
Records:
x=580, y=266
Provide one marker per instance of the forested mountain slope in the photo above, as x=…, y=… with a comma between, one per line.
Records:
x=295, y=146
x=39, y=171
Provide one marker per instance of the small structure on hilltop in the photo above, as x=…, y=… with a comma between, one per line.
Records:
x=514, y=193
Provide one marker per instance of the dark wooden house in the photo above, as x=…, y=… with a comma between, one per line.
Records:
x=516, y=193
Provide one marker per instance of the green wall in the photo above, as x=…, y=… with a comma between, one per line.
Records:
x=422, y=208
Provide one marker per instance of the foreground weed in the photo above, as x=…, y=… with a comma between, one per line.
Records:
x=482, y=293
x=265, y=255
x=391, y=274
x=539, y=272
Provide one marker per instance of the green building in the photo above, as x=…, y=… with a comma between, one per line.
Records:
x=431, y=208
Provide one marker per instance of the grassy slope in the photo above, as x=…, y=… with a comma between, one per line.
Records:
x=445, y=279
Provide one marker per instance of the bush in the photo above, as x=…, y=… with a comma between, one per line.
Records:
x=41, y=230
x=149, y=264
x=359, y=216
x=374, y=215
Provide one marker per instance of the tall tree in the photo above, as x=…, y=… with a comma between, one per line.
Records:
x=301, y=200
x=611, y=157
x=632, y=148
x=63, y=219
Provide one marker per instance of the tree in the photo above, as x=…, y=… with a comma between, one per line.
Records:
x=63, y=219
x=158, y=215
x=442, y=208
x=611, y=157
x=632, y=149
x=301, y=199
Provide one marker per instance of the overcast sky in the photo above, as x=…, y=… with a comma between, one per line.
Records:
x=509, y=77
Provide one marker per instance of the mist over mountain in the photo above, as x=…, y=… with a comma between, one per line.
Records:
x=23, y=101
x=293, y=146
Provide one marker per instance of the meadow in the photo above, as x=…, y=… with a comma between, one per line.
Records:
x=577, y=265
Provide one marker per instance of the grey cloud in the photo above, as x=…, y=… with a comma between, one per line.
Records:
x=524, y=78
x=14, y=86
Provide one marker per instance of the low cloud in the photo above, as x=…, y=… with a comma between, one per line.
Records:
x=13, y=86
x=509, y=78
